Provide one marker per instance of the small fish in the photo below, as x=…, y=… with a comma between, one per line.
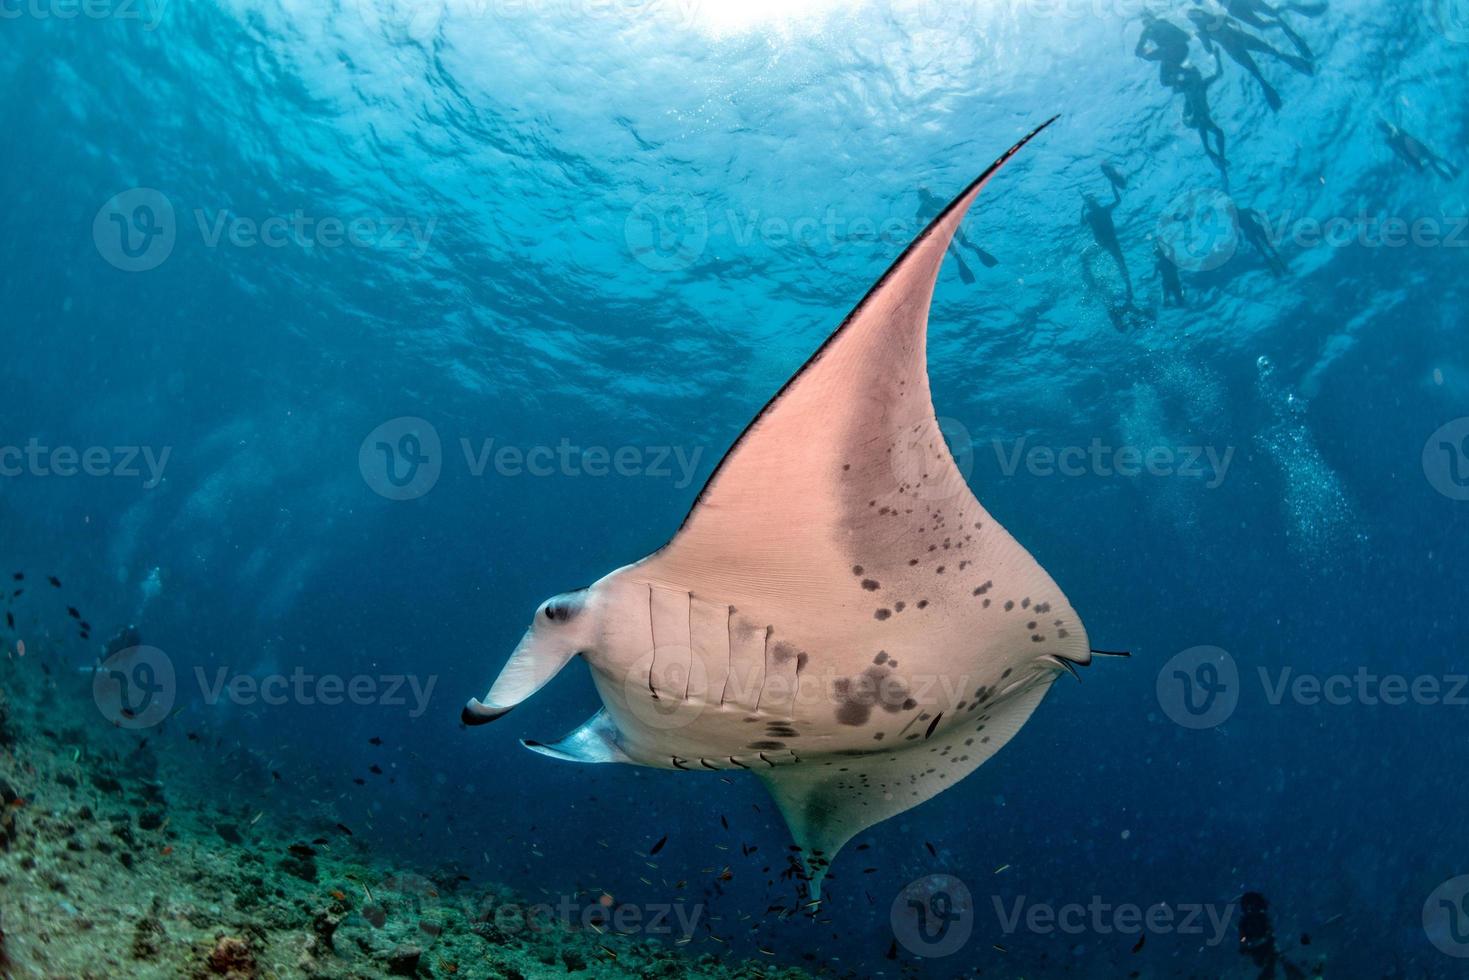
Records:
x=360, y=781
x=375, y=770
x=19, y=576
x=1003, y=867
x=863, y=847
x=608, y=951
x=344, y=829
x=723, y=822
x=658, y=846
x=302, y=850
x=10, y=620
x=320, y=840
x=275, y=775
x=998, y=948
x=55, y=582
x=893, y=950
x=1137, y=947
x=338, y=894
x=167, y=850
x=72, y=612
x=374, y=741
x=930, y=849
x=193, y=736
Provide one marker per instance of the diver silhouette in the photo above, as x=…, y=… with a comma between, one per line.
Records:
x=1262, y=16
x=1164, y=42
x=1168, y=272
x=1225, y=33
x=1194, y=88
x=1098, y=217
x=929, y=205
x=1257, y=938
x=1257, y=233
x=1414, y=152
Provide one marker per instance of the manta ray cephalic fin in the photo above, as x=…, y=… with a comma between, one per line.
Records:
x=595, y=741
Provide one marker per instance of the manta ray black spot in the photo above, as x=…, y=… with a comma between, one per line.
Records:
x=882, y=614
x=870, y=585
x=767, y=744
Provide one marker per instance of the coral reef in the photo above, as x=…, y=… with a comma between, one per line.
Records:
x=115, y=864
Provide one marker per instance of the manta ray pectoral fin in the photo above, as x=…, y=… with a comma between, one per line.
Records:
x=827, y=805
x=537, y=659
x=596, y=741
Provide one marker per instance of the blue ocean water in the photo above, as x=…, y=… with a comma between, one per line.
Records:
x=577, y=246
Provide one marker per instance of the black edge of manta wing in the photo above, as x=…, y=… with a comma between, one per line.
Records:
x=1112, y=653
x=478, y=713
x=917, y=241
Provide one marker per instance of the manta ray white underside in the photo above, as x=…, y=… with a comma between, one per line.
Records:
x=838, y=614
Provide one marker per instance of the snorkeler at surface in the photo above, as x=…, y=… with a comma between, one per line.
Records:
x=1225, y=33
x=1414, y=152
x=1257, y=938
x=1252, y=226
x=1262, y=16
x=929, y=205
x=1164, y=42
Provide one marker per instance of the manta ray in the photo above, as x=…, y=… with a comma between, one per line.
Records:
x=837, y=613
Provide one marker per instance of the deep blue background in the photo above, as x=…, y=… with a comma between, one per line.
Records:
x=532, y=143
